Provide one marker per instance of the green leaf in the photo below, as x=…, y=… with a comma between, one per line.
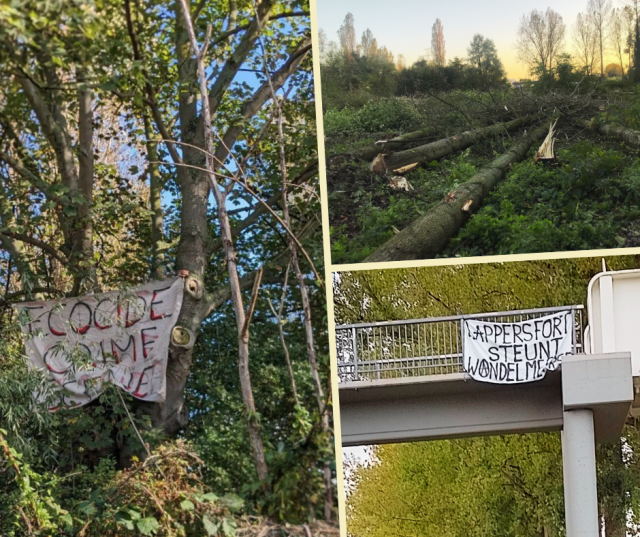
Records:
x=87, y=508
x=67, y=519
x=229, y=527
x=187, y=505
x=123, y=518
x=148, y=526
x=210, y=526
x=234, y=503
x=210, y=497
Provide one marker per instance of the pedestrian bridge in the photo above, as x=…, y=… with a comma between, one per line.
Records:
x=371, y=352
x=403, y=381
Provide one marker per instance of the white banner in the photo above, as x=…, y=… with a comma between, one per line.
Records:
x=120, y=337
x=510, y=353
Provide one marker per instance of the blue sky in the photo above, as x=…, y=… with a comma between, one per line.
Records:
x=405, y=27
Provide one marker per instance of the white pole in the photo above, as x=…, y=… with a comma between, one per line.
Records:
x=579, y=469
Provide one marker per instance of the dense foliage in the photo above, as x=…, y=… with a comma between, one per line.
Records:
x=91, y=200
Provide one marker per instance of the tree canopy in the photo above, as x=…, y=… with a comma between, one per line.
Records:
x=140, y=140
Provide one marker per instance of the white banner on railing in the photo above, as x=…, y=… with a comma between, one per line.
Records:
x=510, y=353
x=120, y=337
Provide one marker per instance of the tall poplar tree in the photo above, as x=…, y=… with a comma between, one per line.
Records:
x=437, y=43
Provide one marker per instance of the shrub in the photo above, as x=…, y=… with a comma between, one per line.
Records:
x=396, y=114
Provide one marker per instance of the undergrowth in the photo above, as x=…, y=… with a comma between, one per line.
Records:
x=589, y=201
x=378, y=210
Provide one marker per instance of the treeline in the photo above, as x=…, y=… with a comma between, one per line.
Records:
x=600, y=43
x=353, y=72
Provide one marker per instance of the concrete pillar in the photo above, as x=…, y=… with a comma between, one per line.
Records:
x=579, y=469
x=608, y=329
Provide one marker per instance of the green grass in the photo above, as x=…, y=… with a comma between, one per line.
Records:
x=378, y=208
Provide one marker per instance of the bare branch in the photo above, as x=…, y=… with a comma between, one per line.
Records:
x=251, y=107
x=252, y=302
x=45, y=247
x=238, y=56
x=223, y=36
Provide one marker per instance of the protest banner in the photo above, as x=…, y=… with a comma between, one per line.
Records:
x=510, y=353
x=120, y=337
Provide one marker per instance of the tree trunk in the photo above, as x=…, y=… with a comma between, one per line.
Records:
x=85, y=274
x=429, y=234
x=308, y=323
x=446, y=146
x=313, y=365
x=370, y=152
x=155, y=202
x=626, y=135
x=196, y=178
x=193, y=252
x=204, y=140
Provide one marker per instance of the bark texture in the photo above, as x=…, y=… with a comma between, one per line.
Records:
x=172, y=415
x=446, y=146
x=155, y=201
x=626, y=135
x=429, y=234
x=77, y=228
x=399, y=142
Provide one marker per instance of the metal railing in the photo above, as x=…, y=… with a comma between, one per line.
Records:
x=418, y=347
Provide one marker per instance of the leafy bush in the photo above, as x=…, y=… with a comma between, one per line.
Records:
x=162, y=495
x=564, y=76
x=396, y=115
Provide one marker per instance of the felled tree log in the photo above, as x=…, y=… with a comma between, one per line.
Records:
x=426, y=236
x=399, y=142
x=626, y=135
x=446, y=146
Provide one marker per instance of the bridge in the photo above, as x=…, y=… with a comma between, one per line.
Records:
x=403, y=381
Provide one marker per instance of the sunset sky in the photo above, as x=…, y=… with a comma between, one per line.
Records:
x=404, y=27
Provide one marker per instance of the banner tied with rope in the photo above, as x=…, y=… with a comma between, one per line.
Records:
x=120, y=337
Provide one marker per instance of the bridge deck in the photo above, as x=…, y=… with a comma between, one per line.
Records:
x=445, y=406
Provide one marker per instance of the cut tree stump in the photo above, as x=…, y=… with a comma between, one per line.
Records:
x=427, y=236
x=441, y=148
x=626, y=135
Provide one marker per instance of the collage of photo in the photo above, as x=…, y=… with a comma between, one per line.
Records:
x=306, y=268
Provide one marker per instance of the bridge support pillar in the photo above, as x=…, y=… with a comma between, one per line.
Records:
x=579, y=469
